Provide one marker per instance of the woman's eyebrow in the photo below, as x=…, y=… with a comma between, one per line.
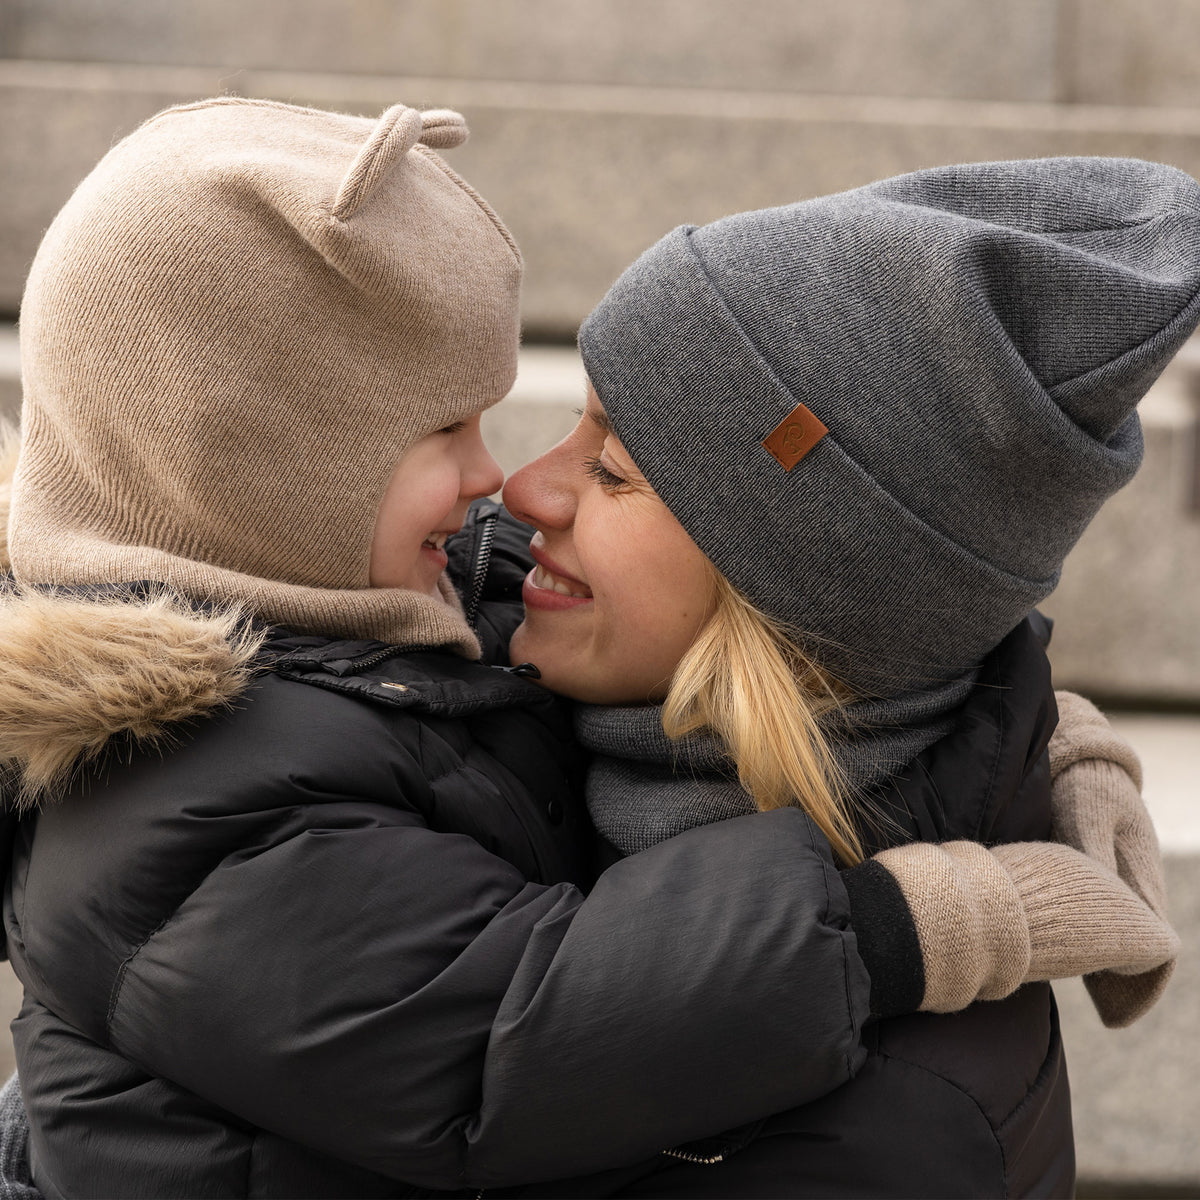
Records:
x=599, y=418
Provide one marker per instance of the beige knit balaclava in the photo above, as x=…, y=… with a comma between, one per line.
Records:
x=230, y=335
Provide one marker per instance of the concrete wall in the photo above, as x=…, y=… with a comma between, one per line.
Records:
x=597, y=127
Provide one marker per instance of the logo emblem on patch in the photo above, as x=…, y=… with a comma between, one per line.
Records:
x=794, y=437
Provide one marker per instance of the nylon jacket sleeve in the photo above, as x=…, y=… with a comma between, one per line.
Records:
x=404, y=1000
x=708, y=981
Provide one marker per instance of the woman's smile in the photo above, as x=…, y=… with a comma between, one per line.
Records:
x=549, y=587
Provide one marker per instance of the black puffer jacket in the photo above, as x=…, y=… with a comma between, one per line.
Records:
x=971, y=1104
x=336, y=937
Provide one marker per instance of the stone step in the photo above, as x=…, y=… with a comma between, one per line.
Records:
x=1127, y=608
x=587, y=175
x=955, y=48
x=1019, y=50
x=1169, y=746
x=1136, y=1092
x=10, y=374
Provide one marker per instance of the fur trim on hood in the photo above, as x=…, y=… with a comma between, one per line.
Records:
x=76, y=673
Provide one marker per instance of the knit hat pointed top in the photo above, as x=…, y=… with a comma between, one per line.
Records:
x=887, y=415
x=230, y=335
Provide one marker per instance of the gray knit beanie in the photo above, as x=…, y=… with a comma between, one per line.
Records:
x=887, y=415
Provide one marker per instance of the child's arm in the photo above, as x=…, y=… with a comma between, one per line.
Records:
x=400, y=998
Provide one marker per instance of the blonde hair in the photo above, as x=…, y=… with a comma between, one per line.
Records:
x=746, y=680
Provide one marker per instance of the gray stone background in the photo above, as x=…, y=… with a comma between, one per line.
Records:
x=597, y=125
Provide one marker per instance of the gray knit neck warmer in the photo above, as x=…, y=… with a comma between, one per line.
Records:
x=642, y=788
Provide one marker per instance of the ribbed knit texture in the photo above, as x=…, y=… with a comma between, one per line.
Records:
x=971, y=923
x=16, y=1181
x=1098, y=808
x=231, y=333
x=1081, y=917
x=989, y=920
x=974, y=337
x=1094, y=905
x=643, y=788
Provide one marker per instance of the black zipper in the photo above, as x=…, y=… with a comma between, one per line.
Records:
x=301, y=667
x=699, y=1160
x=483, y=558
x=378, y=656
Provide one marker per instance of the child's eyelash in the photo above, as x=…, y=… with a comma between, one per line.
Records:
x=457, y=427
x=596, y=470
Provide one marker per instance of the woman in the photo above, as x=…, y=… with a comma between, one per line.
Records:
x=919, y=393
x=333, y=936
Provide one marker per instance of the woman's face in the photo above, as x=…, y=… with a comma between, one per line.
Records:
x=620, y=590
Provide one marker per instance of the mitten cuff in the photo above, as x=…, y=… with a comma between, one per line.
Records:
x=969, y=920
x=887, y=939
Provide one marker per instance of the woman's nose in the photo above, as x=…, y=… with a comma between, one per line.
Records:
x=541, y=492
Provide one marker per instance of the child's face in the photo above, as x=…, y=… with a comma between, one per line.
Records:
x=426, y=500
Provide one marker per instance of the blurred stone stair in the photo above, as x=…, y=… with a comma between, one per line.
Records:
x=596, y=128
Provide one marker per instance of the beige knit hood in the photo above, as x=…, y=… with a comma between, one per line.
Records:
x=231, y=334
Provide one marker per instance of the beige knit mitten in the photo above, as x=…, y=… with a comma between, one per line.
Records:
x=990, y=920
x=1097, y=807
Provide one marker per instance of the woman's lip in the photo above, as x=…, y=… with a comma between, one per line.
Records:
x=547, y=599
x=543, y=559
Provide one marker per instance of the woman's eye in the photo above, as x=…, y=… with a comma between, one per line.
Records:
x=457, y=427
x=597, y=471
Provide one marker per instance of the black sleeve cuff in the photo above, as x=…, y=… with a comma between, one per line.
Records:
x=887, y=939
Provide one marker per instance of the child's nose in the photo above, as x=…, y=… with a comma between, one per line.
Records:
x=482, y=475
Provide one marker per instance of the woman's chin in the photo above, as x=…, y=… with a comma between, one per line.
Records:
x=553, y=672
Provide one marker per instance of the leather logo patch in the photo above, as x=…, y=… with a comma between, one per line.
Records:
x=794, y=437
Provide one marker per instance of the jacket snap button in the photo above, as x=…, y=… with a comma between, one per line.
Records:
x=554, y=811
